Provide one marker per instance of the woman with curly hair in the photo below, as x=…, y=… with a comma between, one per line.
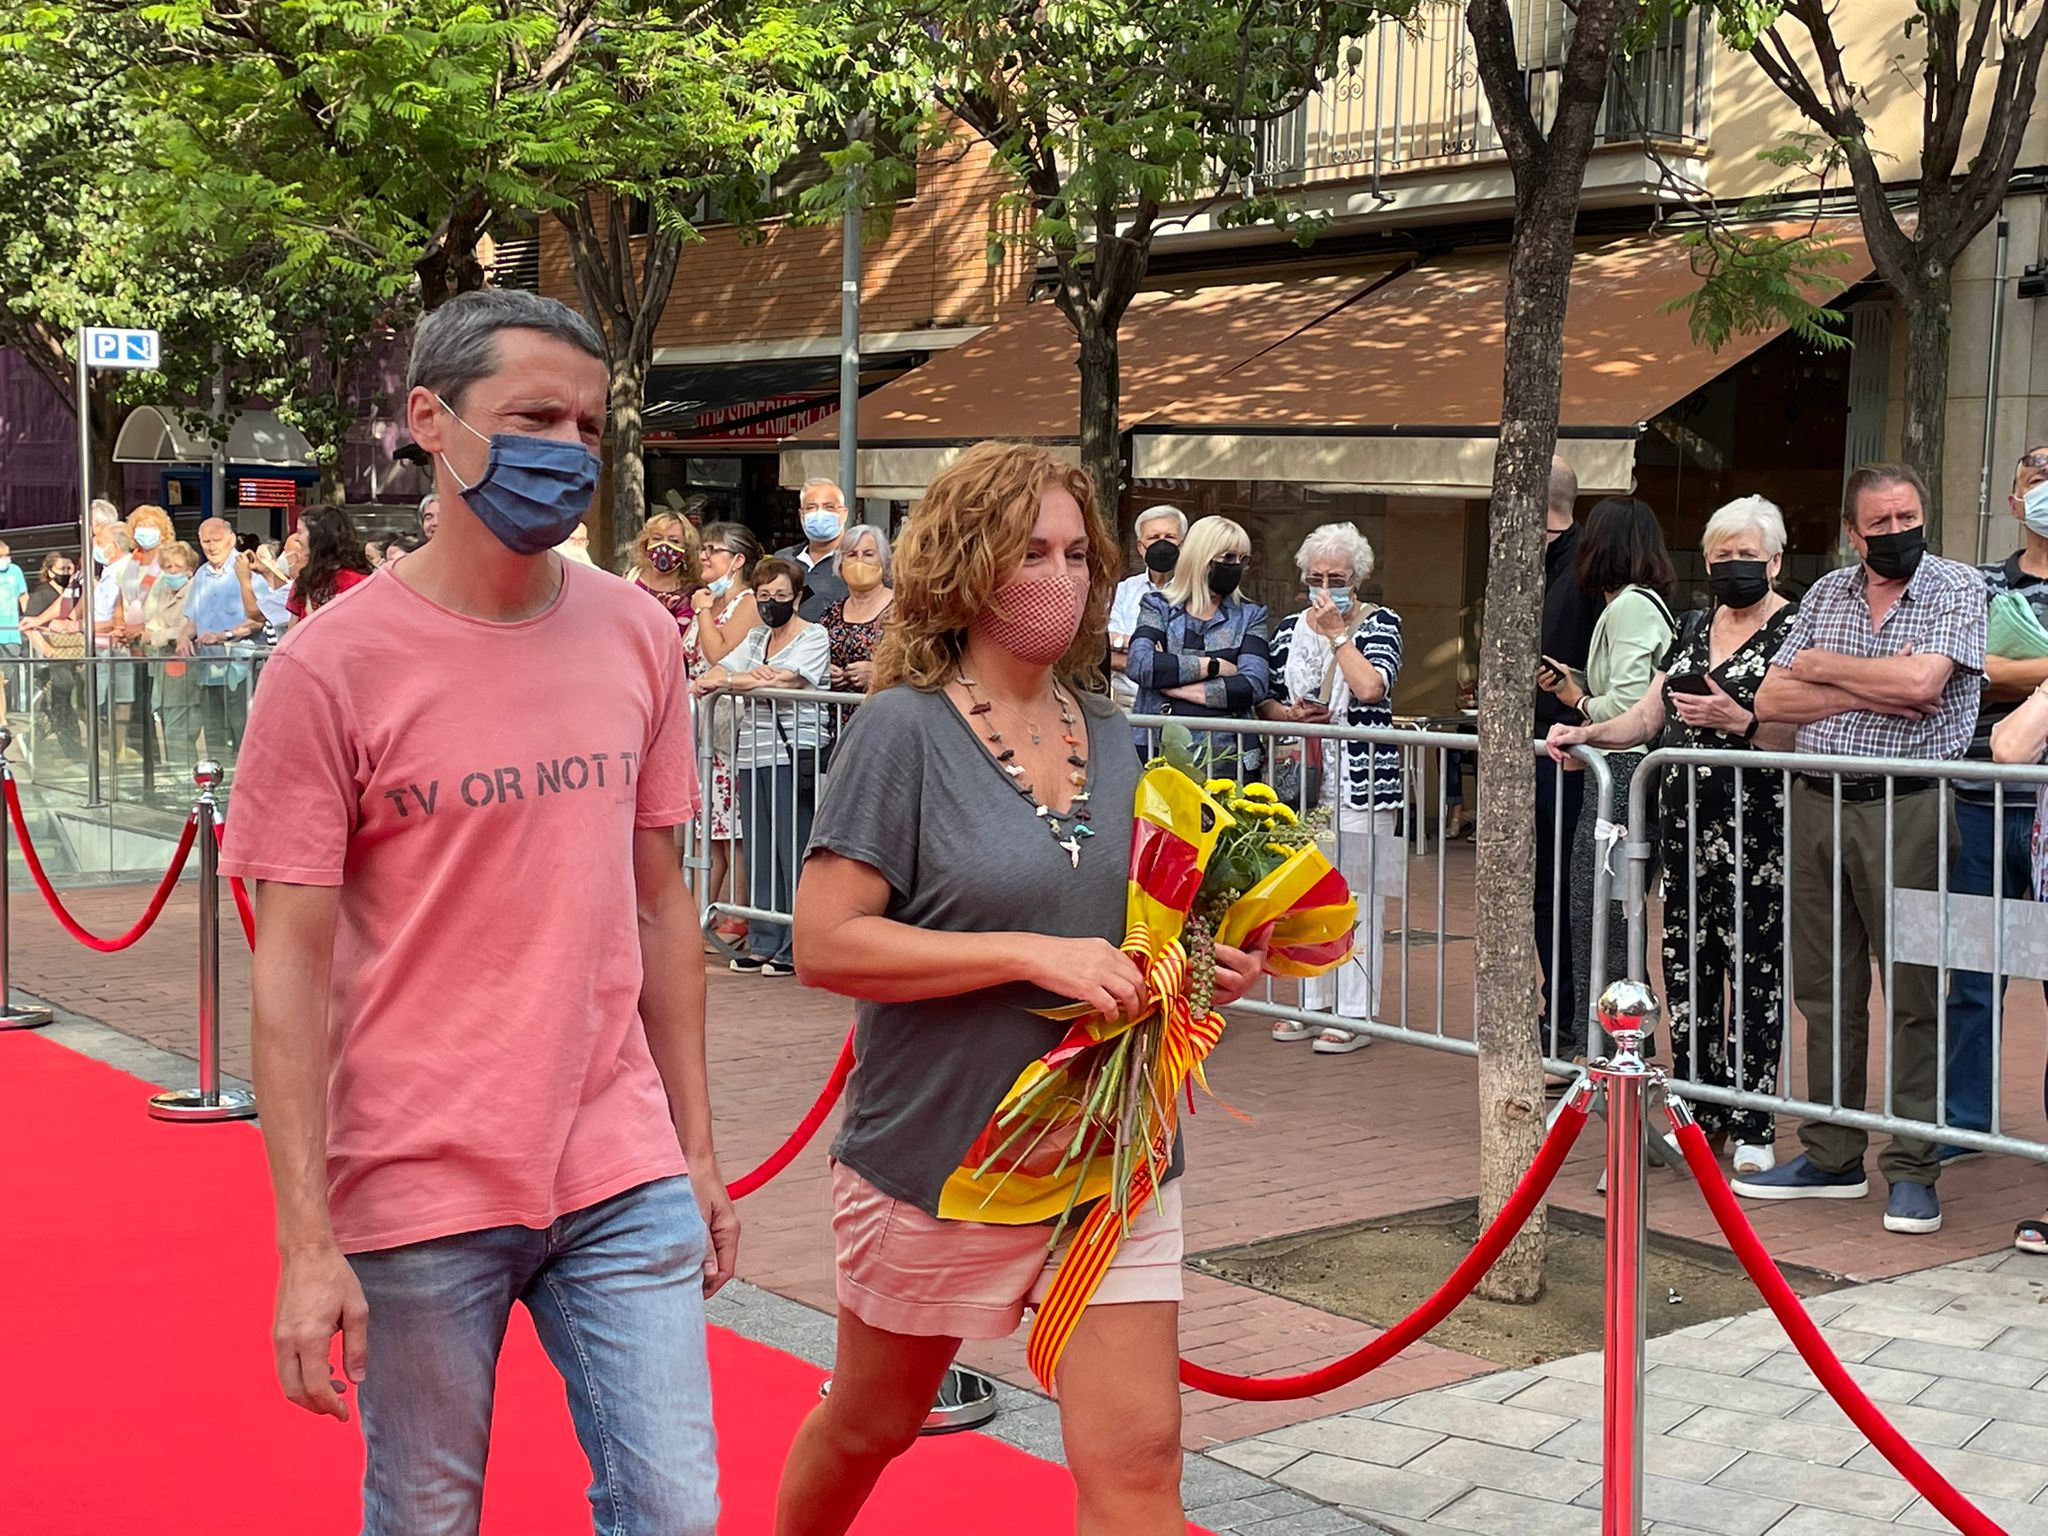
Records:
x=335, y=561
x=968, y=868
x=664, y=564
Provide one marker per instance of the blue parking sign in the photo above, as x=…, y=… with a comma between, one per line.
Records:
x=109, y=346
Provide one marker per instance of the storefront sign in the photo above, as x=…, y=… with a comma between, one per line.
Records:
x=767, y=420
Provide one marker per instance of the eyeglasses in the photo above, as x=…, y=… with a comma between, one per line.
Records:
x=1229, y=560
x=2038, y=459
x=1327, y=583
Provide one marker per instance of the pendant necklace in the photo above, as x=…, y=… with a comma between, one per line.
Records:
x=1077, y=831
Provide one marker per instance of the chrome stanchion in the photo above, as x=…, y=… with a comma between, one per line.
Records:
x=1628, y=1012
x=11, y=1017
x=209, y=1101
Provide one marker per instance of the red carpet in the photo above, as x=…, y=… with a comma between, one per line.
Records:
x=136, y=1391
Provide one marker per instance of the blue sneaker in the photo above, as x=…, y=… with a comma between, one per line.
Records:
x=1912, y=1208
x=1802, y=1179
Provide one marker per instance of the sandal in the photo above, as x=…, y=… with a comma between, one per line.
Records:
x=2031, y=1236
x=1335, y=1042
x=1294, y=1029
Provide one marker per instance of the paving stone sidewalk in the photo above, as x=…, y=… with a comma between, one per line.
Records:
x=1740, y=1440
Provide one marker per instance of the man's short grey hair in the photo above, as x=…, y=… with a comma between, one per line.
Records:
x=119, y=537
x=457, y=345
x=1159, y=514
x=431, y=499
x=880, y=539
x=817, y=480
x=104, y=512
x=1563, y=495
x=1338, y=541
x=1739, y=517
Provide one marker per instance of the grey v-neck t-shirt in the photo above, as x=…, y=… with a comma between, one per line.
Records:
x=914, y=794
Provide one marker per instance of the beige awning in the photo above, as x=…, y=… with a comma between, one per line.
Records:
x=1021, y=379
x=1400, y=391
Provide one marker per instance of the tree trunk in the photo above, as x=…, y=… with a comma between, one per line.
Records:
x=108, y=478
x=1929, y=318
x=1101, y=384
x=1505, y=993
x=620, y=515
x=1549, y=164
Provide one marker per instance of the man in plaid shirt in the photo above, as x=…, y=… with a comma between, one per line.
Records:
x=1884, y=661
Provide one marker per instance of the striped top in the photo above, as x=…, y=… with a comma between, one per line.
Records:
x=1301, y=659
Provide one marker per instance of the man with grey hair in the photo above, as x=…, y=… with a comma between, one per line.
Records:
x=1160, y=530
x=1569, y=614
x=430, y=514
x=1884, y=661
x=823, y=506
x=104, y=513
x=478, y=988
x=218, y=615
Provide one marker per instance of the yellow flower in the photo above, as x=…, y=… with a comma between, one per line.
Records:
x=1286, y=814
x=1260, y=792
x=1220, y=786
x=1285, y=850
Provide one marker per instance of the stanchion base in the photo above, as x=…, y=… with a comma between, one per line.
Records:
x=192, y=1104
x=967, y=1400
x=23, y=1018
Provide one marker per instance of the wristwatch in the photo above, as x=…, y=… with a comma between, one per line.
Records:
x=1755, y=720
x=1215, y=667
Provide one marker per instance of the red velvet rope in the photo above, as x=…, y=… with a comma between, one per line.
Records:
x=799, y=1138
x=243, y=909
x=71, y=924
x=1492, y=1242
x=1814, y=1349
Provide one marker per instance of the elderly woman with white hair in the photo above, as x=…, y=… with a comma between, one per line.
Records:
x=1704, y=697
x=1338, y=660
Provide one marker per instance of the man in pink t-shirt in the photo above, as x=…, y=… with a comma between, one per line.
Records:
x=479, y=983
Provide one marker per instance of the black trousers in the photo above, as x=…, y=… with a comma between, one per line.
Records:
x=1552, y=785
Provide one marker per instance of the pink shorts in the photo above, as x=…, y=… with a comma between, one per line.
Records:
x=903, y=1271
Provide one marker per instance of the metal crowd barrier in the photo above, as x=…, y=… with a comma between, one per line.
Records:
x=780, y=760
x=1925, y=923
x=157, y=717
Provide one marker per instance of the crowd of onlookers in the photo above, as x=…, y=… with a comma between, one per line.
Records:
x=1901, y=656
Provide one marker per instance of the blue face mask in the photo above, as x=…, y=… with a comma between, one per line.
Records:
x=2037, y=508
x=721, y=586
x=821, y=526
x=1340, y=599
x=533, y=491
x=175, y=583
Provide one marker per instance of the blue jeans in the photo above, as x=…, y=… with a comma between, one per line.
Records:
x=1969, y=992
x=616, y=1294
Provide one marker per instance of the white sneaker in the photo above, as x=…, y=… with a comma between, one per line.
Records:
x=1755, y=1157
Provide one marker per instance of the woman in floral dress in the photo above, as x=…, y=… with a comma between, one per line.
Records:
x=1703, y=698
x=855, y=621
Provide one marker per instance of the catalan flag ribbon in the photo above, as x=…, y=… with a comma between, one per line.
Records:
x=1087, y=1129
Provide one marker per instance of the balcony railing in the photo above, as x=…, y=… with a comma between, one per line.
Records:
x=1409, y=97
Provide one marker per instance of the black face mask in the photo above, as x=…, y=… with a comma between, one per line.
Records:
x=776, y=611
x=1739, y=583
x=1162, y=557
x=1223, y=579
x=1895, y=556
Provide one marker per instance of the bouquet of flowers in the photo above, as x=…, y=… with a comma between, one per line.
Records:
x=1092, y=1122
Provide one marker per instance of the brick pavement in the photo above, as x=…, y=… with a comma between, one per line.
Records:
x=1326, y=1140
x=1740, y=1440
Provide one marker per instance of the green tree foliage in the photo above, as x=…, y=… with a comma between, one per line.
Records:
x=1109, y=115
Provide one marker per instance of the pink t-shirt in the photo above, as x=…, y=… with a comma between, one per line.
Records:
x=473, y=790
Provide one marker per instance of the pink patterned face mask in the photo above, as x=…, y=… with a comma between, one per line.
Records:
x=1038, y=620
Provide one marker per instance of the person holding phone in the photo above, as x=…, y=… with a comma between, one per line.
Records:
x=1703, y=696
x=1622, y=560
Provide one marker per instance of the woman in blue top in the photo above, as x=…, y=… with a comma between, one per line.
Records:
x=1200, y=650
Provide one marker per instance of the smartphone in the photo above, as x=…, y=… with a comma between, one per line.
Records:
x=1694, y=683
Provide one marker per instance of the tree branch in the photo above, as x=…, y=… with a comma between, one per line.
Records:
x=1493, y=42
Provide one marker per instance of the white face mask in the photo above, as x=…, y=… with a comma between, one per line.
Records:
x=148, y=538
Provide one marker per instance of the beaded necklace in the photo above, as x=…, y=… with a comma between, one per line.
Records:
x=1077, y=815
